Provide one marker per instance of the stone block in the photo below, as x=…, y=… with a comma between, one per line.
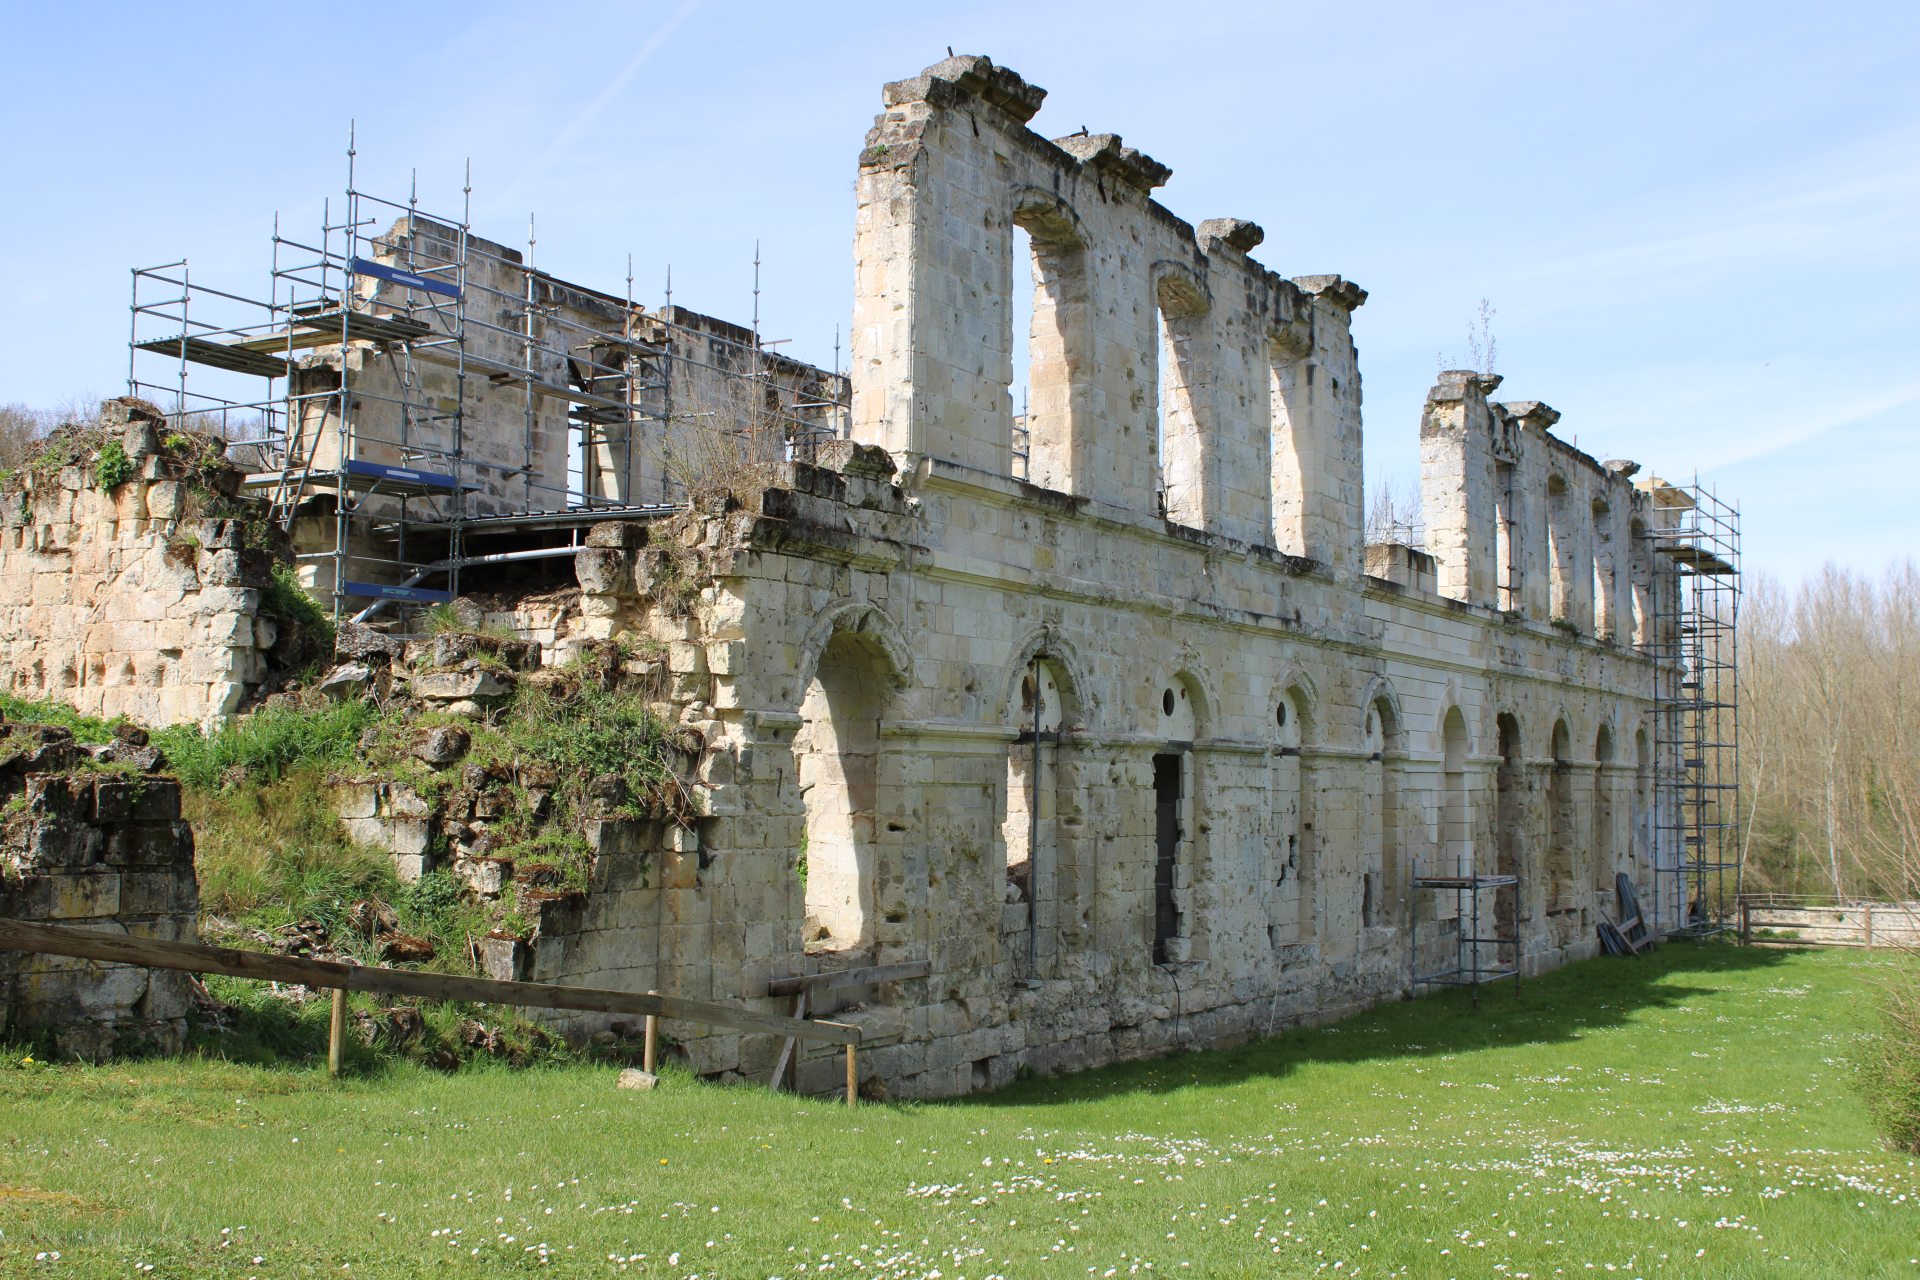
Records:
x=408, y=868
x=461, y=686
x=156, y=799
x=84, y=896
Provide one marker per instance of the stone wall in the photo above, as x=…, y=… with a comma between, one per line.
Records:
x=125, y=601
x=1238, y=735
x=103, y=849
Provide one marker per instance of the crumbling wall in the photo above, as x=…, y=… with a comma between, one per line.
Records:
x=1258, y=739
x=120, y=594
x=103, y=848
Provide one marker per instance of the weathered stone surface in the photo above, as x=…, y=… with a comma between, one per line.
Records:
x=93, y=850
x=462, y=686
x=348, y=680
x=442, y=746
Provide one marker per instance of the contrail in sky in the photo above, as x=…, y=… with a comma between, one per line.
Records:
x=604, y=99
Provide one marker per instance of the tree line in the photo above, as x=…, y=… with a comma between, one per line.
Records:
x=1829, y=750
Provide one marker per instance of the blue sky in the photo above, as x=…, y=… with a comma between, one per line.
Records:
x=1699, y=224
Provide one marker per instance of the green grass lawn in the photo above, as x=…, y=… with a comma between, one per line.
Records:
x=1691, y=1114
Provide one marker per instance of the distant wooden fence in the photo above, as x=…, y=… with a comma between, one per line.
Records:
x=340, y=978
x=1829, y=923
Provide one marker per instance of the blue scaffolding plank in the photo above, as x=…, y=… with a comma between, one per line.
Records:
x=381, y=591
x=401, y=479
x=406, y=279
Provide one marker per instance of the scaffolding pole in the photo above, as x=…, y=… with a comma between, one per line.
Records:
x=1695, y=645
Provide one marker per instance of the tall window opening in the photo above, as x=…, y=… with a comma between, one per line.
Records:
x=1506, y=557
x=1168, y=793
x=1028, y=834
x=1640, y=574
x=1289, y=913
x=1457, y=811
x=1605, y=574
x=1380, y=818
x=1050, y=345
x=1175, y=789
x=1510, y=810
x=1180, y=430
x=837, y=761
x=1025, y=285
x=1606, y=841
x=1288, y=395
x=1560, y=822
x=1560, y=547
x=1642, y=812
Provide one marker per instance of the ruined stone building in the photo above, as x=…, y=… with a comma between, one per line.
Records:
x=1113, y=723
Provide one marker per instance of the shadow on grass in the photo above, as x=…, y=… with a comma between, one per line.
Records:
x=1590, y=995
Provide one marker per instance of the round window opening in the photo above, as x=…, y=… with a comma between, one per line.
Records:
x=1166, y=703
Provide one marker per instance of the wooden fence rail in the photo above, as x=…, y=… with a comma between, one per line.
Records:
x=341, y=977
x=1811, y=922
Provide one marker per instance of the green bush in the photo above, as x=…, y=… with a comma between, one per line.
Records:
x=1890, y=1067
x=113, y=467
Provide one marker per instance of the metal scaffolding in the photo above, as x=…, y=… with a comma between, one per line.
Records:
x=1476, y=928
x=396, y=353
x=1695, y=644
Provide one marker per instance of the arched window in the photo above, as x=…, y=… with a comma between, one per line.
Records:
x=1174, y=786
x=837, y=760
x=1456, y=821
x=1380, y=822
x=1029, y=830
x=1289, y=856
x=1560, y=825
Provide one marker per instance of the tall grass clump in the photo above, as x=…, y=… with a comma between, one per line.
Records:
x=264, y=745
x=33, y=711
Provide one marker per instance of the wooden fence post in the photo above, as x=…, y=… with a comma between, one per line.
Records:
x=650, y=1054
x=337, y=1032
x=853, y=1075
x=1869, y=926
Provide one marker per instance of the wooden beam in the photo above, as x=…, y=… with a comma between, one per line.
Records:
x=845, y=978
x=93, y=944
x=788, y=1049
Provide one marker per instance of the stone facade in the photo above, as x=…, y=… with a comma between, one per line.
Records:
x=124, y=600
x=101, y=849
x=1146, y=751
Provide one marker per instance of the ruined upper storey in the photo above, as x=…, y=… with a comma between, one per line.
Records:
x=1259, y=435
x=1171, y=374
x=1521, y=521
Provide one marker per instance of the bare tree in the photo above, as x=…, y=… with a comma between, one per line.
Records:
x=1393, y=514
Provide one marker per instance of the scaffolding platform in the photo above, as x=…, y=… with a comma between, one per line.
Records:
x=1472, y=968
x=236, y=357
